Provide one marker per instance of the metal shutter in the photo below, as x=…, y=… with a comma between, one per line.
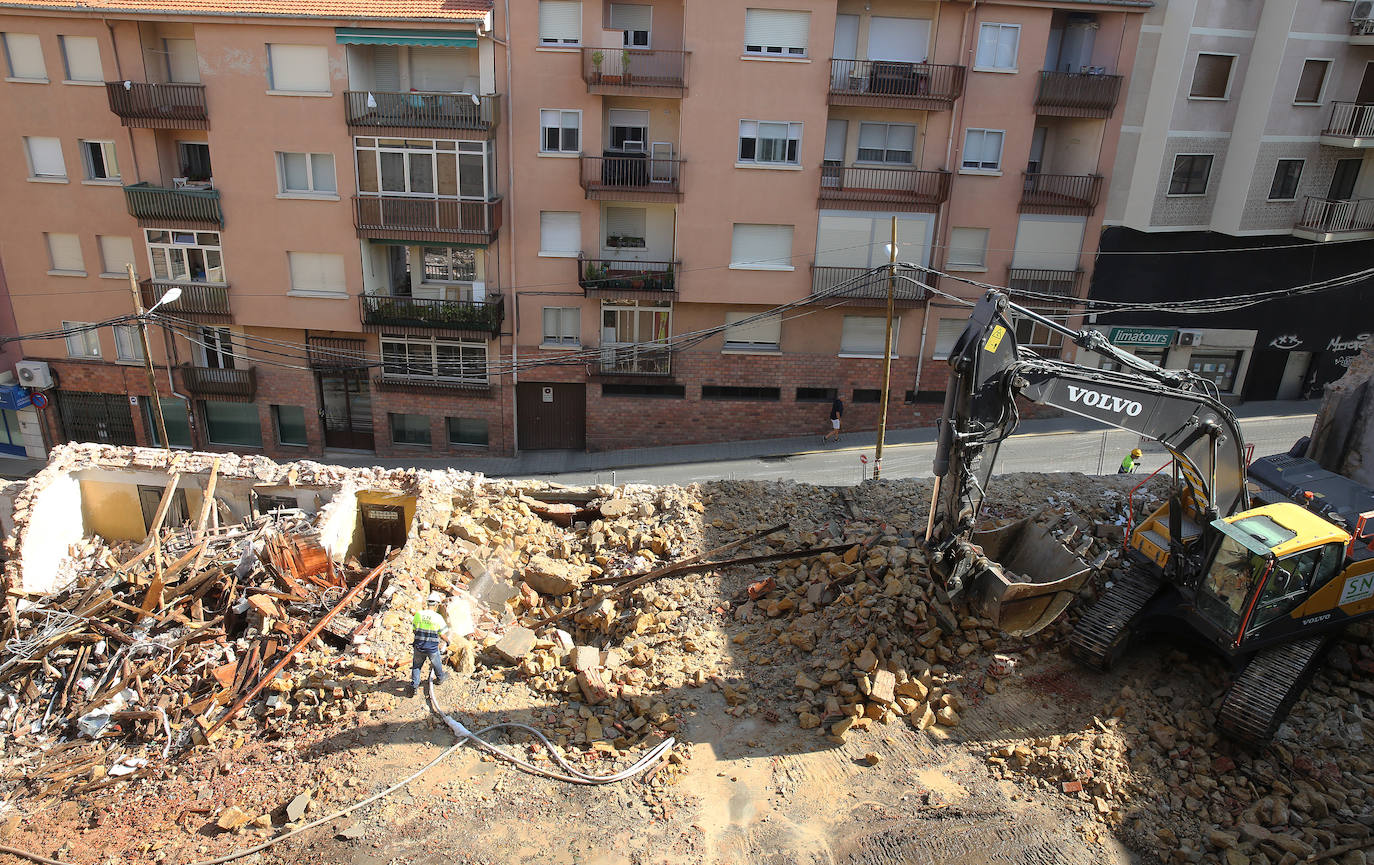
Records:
x=766, y=331
x=82, y=54
x=900, y=39
x=864, y=334
x=777, y=28
x=436, y=69
x=560, y=21
x=386, y=68
x=761, y=245
x=1048, y=242
x=560, y=233
x=115, y=252
x=626, y=222
x=45, y=157
x=26, y=55
x=301, y=68
x=65, y=250
x=631, y=16
x=968, y=247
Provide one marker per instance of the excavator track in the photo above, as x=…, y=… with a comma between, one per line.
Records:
x=1104, y=628
x=1261, y=696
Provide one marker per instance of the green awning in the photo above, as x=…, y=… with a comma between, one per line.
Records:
x=386, y=36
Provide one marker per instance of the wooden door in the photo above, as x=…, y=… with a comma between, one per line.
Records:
x=346, y=410
x=383, y=526
x=552, y=416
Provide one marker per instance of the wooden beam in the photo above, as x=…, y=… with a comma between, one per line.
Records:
x=162, y=508
x=207, y=501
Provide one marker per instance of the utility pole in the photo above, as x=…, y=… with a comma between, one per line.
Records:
x=887, y=351
x=148, y=358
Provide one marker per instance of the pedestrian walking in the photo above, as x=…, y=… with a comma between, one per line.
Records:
x=836, y=415
x=1129, y=464
x=430, y=632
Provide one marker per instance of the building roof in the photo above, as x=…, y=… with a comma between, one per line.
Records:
x=398, y=10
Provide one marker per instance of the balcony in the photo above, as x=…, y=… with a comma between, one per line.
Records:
x=1324, y=220
x=425, y=219
x=893, y=84
x=456, y=318
x=627, y=280
x=1063, y=283
x=199, y=301
x=635, y=359
x=862, y=187
x=1077, y=94
x=826, y=282
x=1060, y=193
x=632, y=177
x=159, y=106
x=1351, y=125
x=635, y=72
x=1362, y=32
x=157, y=206
x=401, y=113
x=237, y=385
x=336, y=354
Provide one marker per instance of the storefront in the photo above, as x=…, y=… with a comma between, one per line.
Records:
x=19, y=428
x=1219, y=355
x=1296, y=361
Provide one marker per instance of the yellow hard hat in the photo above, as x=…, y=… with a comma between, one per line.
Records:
x=1137, y=453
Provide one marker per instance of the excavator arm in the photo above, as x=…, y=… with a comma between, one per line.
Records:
x=1020, y=576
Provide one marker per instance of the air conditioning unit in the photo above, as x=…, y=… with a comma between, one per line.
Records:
x=1194, y=337
x=34, y=373
x=1362, y=12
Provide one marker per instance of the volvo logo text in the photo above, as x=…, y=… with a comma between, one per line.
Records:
x=1097, y=399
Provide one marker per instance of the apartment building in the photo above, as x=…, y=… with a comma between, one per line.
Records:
x=319, y=184
x=1248, y=128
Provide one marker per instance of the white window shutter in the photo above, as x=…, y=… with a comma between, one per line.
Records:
x=900, y=39
x=560, y=21
x=115, y=253
x=628, y=117
x=872, y=136
x=45, y=157
x=630, y=16
x=764, y=332
x=479, y=292
x=835, y=132
x=777, y=28
x=1049, y=242
x=26, y=56
x=436, y=70
x=626, y=221
x=761, y=246
x=864, y=334
x=948, y=332
x=65, y=252
x=301, y=68
x=317, y=273
x=82, y=54
x=968, y=247
x=183, y=67
x=560, y=233
x=386, y=68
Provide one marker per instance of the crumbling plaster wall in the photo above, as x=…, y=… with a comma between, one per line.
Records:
x=1343, y=433
x=51, y=529
x=340, y=534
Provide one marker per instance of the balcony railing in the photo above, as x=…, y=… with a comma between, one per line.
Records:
x=1044, y=281
x=1324, y=219
x=1351, y=125
x=613, y=278
x=199, y=300
x=455, y=111
x=635, y=358
x=1060, y=193
x=895, y=84
x=632, y=177
x=479, y=319
x=1077, y=94
x=236, y=384
x=650, y=72
x=1362, y=32
x=894, y=188
x=155, y=206
x=858, y=290
x=336, y=353
x=159, y=106
x=384, y=216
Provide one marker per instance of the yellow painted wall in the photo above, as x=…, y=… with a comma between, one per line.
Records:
x=111, y=510
x=375, y=497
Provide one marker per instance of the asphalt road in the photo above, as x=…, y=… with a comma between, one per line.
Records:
x=1091, y=452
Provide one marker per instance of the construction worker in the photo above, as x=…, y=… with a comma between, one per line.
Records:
x=1131, y=461
x=430, y=631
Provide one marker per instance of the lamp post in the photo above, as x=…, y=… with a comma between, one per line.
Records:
x=171, y=295
x=887, y=351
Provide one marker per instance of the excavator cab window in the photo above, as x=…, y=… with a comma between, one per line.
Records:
x=1238, y=565
x=1292, y=580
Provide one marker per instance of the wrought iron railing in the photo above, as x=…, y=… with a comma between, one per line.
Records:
x=1351, y=120
x=422, y=110
x=336, y=353
x=440, y=216
x=829, y=284
x=1077, y=94
x=636, y=358
x=159, y=106
x=602, y=275
x=461, y=315
x=895, y=84
x=208, y=299
x=883, y=185
x=208, y=381
x=1326, y=216
x=158, y=204
x=635, y=173
x=624, y=70
x=1060, y=193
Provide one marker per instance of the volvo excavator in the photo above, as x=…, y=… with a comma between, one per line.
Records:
x=1265, y=562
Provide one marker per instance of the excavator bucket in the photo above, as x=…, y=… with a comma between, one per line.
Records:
x=1025, y=577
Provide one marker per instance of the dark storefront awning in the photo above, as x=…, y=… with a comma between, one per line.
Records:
x=387, y=36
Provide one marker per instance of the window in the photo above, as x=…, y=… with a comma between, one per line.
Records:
x=887, y=142
x=306, y=174
x=449, y=264
x=627, y=322
x=1038, y=337
x=115, y=253
x=761, y=247
x=776, y=32
x=560, y=131
x=1218, y=368
x=661, y=391
x=983, y=149
x=193, y=158
x=997, y=45
x=127, y=344
x=947, y=334
x=435, y=360
x=1190, y=174
x=469, y=432
x=867, y=394
x=298, y=68
x=560, y=22
x=214, y=349
x=769, y=143
x=636, y=20
x=24, y=57
x=317, y=273
x=1211, y=76
x=81, y=58
x=626, y=227
x=185, y=256
x=562, y=325
x=232, y=423
x=968, y=248
x=424, y=167
x=99, y=160
x=767, y=394
x=761, y=335
x=289, y=422
x=560, y=234
x=816, y=394
x=409, y=429
x=64, y=254
x=1286, y=176
x=174, y=418
x=45, y=158
x=85, y=343
x=629, y=129
x=863, y=335
x=1312, y=82
x=183, y=64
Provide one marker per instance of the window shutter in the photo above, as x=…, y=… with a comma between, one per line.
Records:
x=26, y=55
x=436, y=70
x=560, y=233
x=901, y=39
x=386, y=67
x=1048, y=242
x=626, y=221
x=761, y=245
x=864, y=334
x=318, y=273
x=947, y=334
x=766, y=331
x=628, y=117
x=65, y=251
x=560, y=21
x=45, y=157
x=835, y=132
x=873, y=136
x=182, y=65
x=570, y=324
x=843, y=240
x=631, y=16
x=968, y=247
x=302, y=68
x=777, y=28
x=82, y=54
x=115, y=253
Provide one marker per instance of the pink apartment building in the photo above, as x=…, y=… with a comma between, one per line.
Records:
x=474, y=228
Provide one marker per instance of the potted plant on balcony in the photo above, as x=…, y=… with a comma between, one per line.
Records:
x=594, y=273
x=610, y=79
x=625, y=64
x=598, y=57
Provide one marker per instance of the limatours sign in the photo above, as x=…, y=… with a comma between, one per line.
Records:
x=1151, y=337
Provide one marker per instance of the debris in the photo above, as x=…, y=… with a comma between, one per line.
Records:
x=516, y=644
x=295, y=809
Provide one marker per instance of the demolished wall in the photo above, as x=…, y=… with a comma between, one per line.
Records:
x=1343, y=433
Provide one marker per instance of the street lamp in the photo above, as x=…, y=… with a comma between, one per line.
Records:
x=887, y=350
x=172, y=294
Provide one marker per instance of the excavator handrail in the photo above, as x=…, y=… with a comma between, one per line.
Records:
x=1130, y=503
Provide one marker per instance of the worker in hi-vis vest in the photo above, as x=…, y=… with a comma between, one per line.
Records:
x=430, y=631
x=1132, y=460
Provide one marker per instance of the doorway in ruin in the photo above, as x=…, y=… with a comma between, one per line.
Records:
x=384, y=527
